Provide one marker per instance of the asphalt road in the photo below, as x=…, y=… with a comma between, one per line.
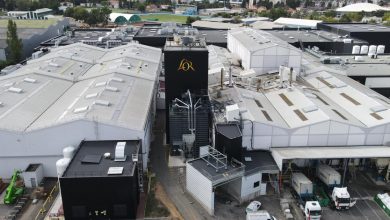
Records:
x=170, y=178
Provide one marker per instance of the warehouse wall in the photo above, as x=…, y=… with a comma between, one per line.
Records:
x=329, y=133
x=200, y=188
x=45, y=145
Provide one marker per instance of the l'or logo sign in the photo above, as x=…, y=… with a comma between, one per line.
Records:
x=186, y=65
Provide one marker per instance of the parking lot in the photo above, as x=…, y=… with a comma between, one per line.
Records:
x=362, y=189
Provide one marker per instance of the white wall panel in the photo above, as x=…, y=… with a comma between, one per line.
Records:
x=270, y=51
x=280, y=141
x=377, y=130
x=355, y=139
x=262, y=142
x=279, y=131
x=200, y=188
x=318, y=140
x=298, y=140
x=386, y=139
x=355, y=130
x=262, y=129
x=270, y=61
x=247, y=184
x=338, y=128
x=337, y=140
x=322, y=128
x=374, y=139
x=303, y=130
x=257, y=61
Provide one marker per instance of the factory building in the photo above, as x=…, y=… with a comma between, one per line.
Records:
x=186, y=74
x=374, y=34
x=263, y=122
x=101, y=181
x=74, y=93
x=261, y=51
x=324, y=41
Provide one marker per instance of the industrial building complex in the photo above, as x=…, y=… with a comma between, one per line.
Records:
x=291, y=117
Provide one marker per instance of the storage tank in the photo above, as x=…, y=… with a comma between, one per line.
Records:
x=328, y=175
x=380, y=49
x=68, y=152
x=302, y=185
x=356, y=49
x=61, y=165
x=364, y=49
x=372, y=49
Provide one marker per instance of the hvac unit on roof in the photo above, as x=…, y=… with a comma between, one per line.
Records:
x=310, y=108
x=115, y=170
x=92, y=95
x=112, y=89
x=81, y=109
x=100, y=84
x=29, y=80
x=54, y=64
x=120, y=151
x=378, y=108
x=101, y=102
x=117, y=79
x=15, y=90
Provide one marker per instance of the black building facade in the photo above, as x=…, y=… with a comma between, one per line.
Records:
x=228, y=140
x=186, y=68
x=372, y=33
x=91, y=190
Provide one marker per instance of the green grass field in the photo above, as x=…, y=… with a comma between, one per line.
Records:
x=164, y=18
x=29, y=23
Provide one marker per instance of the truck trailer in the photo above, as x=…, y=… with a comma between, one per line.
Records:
x=303, y=187
x=332, y=180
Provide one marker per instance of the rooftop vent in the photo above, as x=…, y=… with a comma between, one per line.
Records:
x=8, y=84
x=54, y=64
x=92, y=95
x=81, y=109
x=112, y=89
x=115, y=171
x=1, y=104
x=248, y=159
x=15, y=90
x=99, y=84
x=120, y=151
x=310, y=108
x=102, y=102
x=378, y=108
x=117, y=79
x=30, y=80
x=339, y=84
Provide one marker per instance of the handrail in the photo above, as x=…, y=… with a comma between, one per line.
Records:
x=48, y=199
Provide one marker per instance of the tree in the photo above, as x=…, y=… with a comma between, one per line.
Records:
x=141, y=7
x=190, y=19
x=293, y=3
x=345, y=18
x=15, y=45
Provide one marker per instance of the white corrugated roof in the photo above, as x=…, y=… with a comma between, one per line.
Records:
x=295, y=22
x=282, y=153
x=255, y=40
x=359, y=7
x=56, y=89
x=366, y=109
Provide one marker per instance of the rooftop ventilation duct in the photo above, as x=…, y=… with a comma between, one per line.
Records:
x=120, y=151
x=102, y=102
x=29, y=80
x=80, y=110
x=378, y=108
x=310, y=108
x=15, y=90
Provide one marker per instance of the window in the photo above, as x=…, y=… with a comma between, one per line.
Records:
x=256, y=184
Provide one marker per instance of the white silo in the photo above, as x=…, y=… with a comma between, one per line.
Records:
x=68, y=152
x=356, y=49
x=372, y=49
x=364, y=49
x=380, y=49
x=61, y=165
